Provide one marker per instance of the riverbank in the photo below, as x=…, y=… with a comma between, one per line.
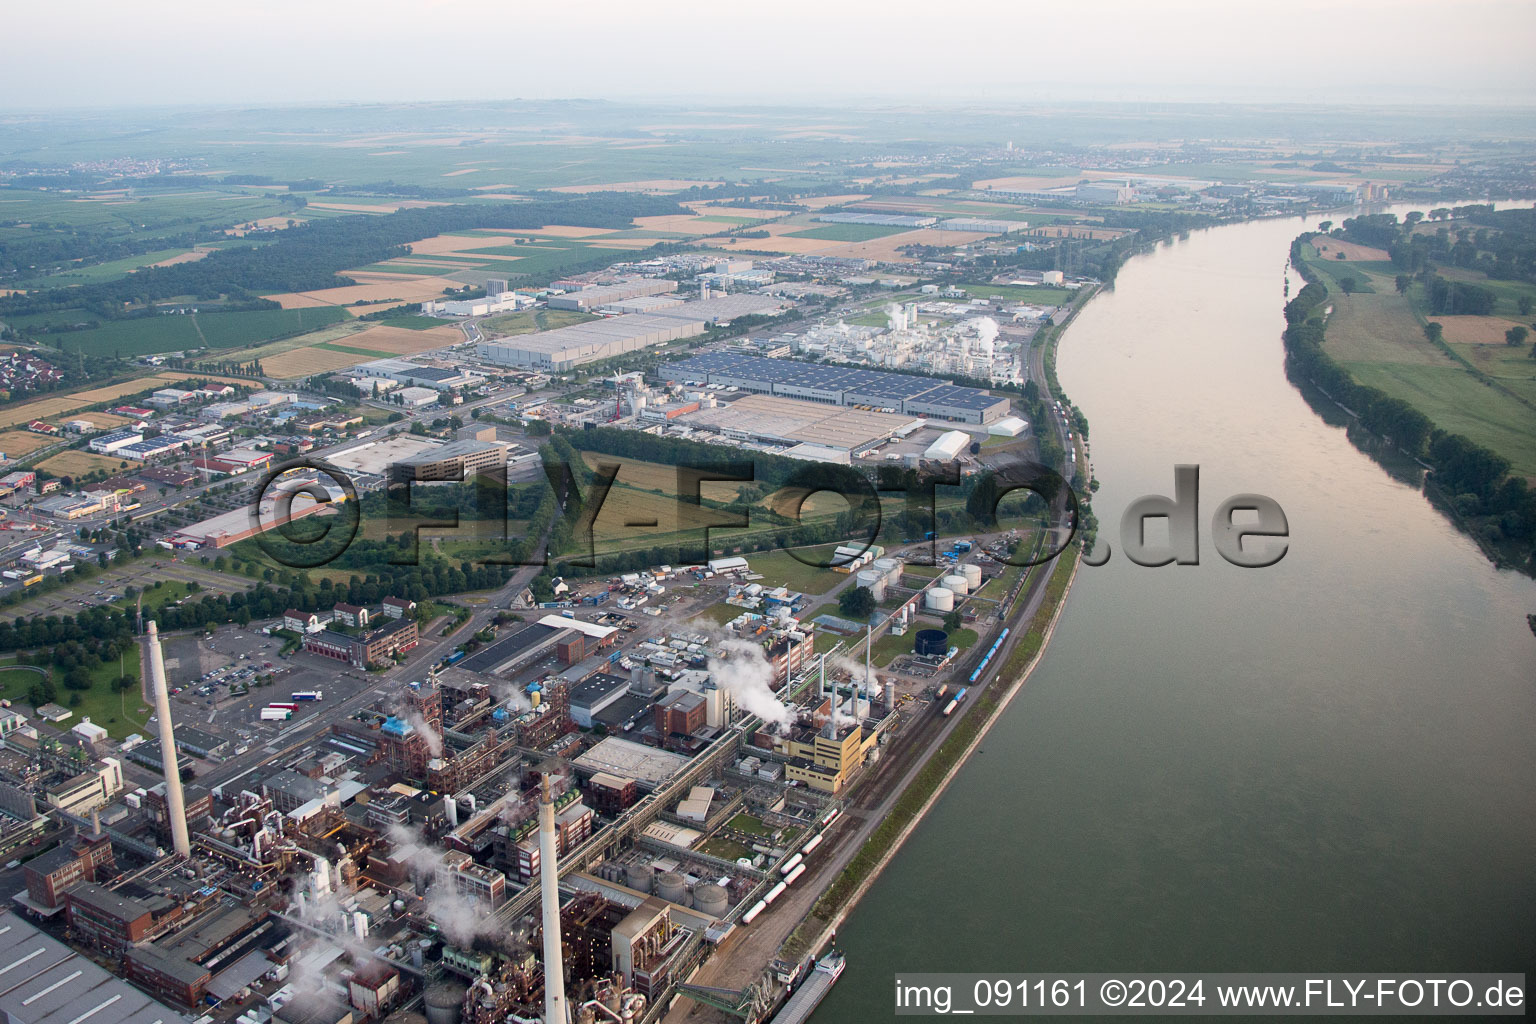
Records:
x=1344, y=349
x=939, y=771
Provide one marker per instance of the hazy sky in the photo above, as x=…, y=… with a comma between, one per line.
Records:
x=112, y=52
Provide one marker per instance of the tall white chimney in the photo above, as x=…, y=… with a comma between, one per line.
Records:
x=175, y=803
x=555, y=1009
x=869, y=697
x=832, y=716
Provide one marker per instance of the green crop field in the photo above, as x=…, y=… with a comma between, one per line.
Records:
x=1460, y=403
x=171, y=333
x=552, y=262
x=849, y=232
x=95, y=273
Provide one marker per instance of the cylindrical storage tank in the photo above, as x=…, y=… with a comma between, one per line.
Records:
x=444, y=1003
x=955, y=583
x=890, y=568
x=940, y=600
x=931, y=642
x=671, y=887
x=711, y=899
x=638, y=876
x=972, y=574
x=874, y=581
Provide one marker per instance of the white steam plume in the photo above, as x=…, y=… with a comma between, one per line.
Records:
x=744, y=671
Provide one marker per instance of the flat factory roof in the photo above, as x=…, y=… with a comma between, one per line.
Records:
x=649, y=766
x=42, y=981
x=774, y=418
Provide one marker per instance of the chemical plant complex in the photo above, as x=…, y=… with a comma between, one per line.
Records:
x=419, y=783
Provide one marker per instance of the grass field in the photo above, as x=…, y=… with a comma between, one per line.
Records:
x=96, y=273
x=848, y=232
x=1457, y=401
x=530, y=320
x=149, y=335
x=1379, y=339
x=1334, y=271
x=780, y=568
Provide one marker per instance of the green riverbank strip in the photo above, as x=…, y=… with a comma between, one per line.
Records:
x=937, y=771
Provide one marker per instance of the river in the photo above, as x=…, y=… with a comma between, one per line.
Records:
x=1325, y=765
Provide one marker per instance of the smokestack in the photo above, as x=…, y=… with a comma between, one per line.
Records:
x=555, y=1009
x=175, y=804
x=869, y=640
x=95, y=822
x=832, y=716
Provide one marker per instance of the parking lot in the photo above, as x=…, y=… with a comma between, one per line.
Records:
x=107, y=585
x=223, y=683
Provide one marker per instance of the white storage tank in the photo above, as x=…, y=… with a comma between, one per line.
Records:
x=711, y=899
x=972, y=574
x=939, y=599
x=638, y=877
x=873, y=580
x=890, y=568
x=956, y=583
x=671, y=887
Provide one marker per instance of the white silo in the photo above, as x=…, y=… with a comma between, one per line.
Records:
x=956, y=583
x=939, y=599
x=873, y=580
x=972, y=574
x=890, y=568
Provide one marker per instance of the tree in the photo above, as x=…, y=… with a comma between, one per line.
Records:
x=1403, y=282
x=1524, y=305
x=1349, y=284
x=1515, y=336
x=856, y=603
x=1433, y=331
x=952, y=622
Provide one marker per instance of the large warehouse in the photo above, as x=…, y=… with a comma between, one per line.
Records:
x=589, y=299
x=790, y=422
x=568, y=347
x=841, y=385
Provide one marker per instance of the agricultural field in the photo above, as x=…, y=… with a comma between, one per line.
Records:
x=301, y=362
x=17, y=443
x=1377, y=337
x=77, y=463
x=171, y=333
x=848, y=232
x=110, y=270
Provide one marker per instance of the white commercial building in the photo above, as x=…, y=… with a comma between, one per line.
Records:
x=415, y=398
x=949, y=445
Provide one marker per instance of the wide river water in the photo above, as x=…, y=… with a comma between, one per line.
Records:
x=1326, y=765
